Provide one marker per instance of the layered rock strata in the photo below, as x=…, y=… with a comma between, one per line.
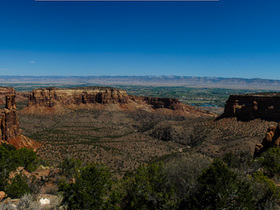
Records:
x=48, y=100
x=9, y=129
x=9, y=120
x=251, y=106
x=5, y=91
x=49, y=97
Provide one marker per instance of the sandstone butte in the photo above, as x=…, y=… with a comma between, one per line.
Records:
x=9, y=129
x=56, y=101
x=252, y=106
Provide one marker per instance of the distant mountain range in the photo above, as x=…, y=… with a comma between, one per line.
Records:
x=187, y=81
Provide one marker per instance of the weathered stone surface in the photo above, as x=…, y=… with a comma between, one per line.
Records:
x=252, y=106
x=9, y=120
x=49, y=97
x=48, y=100
x=5, y=91
x=271, y=139
x=9, y=126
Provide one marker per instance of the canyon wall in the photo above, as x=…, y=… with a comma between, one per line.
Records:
x=49, y=97
x=9, y=126
x=47, y=100
x=252, y=106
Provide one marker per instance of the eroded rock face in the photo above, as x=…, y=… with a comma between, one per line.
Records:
x=9, y=129
x=9, y=120
x=252, y=106
x=271, y=139
x=48, y=100
x=49, y=97
x=5, y=91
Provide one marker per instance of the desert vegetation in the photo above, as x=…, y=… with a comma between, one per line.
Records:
x=195, y=182
x=125, y=140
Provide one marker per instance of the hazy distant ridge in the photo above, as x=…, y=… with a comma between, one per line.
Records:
x=188, y=81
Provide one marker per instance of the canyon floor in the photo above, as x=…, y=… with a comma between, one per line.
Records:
x=124, y=140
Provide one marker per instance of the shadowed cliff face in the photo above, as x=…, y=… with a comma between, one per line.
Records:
x=252, y=106
x=167, y=103
x=54, y=100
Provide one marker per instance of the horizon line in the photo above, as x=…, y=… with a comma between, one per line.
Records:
x=251, y=78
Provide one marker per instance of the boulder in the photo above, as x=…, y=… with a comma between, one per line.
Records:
x=2, y=195
x=271, y=139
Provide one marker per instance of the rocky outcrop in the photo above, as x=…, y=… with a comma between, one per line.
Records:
x=55, y=100
x=271, y=139
x=9, y=120
x=251, y=106
x=9, y=126
x=5, y=91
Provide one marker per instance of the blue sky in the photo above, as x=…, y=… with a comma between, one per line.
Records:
x=229, y=38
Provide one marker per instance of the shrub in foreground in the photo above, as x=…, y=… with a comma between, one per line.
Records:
x=148, y=188
x=18, y=187
x=90, y=190
x=270, y=161
x=220, y=188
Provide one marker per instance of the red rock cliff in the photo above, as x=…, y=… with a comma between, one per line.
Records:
x=9, y=129
x=49, y=97
x=54, y=100
x=9, y=120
